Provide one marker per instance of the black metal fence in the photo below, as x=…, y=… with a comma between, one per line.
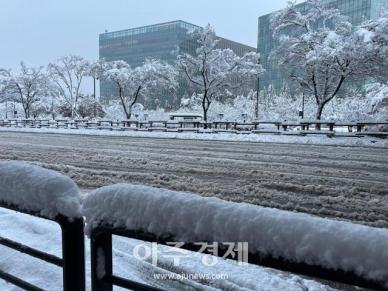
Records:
x=101, y=241
x=330, y=128
x=73, y=253
x=102, y=277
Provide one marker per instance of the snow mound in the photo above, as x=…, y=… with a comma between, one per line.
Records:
x=36, y=189
x=191, y=218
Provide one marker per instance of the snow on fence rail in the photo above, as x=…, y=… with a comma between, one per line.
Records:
x=47, y=194
x=304, y=127
x=283, y=236
x=33, y=188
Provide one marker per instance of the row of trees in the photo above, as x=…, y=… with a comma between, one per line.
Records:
x=212, y=74
x=61, y=83
x=320, y=51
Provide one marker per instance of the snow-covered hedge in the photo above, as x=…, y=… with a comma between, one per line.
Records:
x=36, y=189
x=293, y=236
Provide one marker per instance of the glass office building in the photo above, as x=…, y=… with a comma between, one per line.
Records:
x=163, y=41
x=356, y=10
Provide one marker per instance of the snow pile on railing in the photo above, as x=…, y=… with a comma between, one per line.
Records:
x=36, y=189
x=293, y=236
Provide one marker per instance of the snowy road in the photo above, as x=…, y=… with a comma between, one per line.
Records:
x=333, y=181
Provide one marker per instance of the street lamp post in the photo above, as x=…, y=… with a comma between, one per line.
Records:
x=14, y=110
x=94, y=96
x=257, y=98
x=257, y=94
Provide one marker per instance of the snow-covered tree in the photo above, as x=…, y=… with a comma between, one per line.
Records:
x=68, y=74
x=133, y=83
x=5, y=77
x=28, y=87
x=98, y=68
x=372, y=48
x=214, y=73
x=315, y=50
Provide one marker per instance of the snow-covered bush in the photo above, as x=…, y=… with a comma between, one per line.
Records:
x=280, y=105
x=354, y=105
x=293, y=236
x=114, y=111
x=33, y=188
x=86, y=108
x=239, y=108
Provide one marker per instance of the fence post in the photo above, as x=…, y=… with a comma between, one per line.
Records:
x=101, y=260
x=73, y=253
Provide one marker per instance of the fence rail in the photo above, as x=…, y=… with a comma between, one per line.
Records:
x=301, y=128
x=101, y=240
x=73, y=254
x=73, y=259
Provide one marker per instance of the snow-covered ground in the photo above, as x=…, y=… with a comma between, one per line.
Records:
x=211, y=136
x=45, y=235
x=332, y=181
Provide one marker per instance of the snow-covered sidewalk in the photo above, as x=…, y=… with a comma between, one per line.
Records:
x=247, y=137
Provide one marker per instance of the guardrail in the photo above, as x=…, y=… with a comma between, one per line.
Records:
x=315, y=127
x=101, y=243
x=73, y=254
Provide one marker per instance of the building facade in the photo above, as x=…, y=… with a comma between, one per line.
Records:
x=164, y=41
x=357, y=11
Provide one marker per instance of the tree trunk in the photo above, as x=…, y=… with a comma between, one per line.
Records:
x=318, y=115
x=205, y=114
x=126, y=112
x=136, y=96
x=26, y=112
x=52, y=108
x=72, y=110
x=205, y=108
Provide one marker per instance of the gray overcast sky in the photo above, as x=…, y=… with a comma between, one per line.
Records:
x=40, y=31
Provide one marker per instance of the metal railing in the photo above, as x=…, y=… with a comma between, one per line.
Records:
x=103, y=279
x=303, y=127
x=101, y=241
x=73, y=252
